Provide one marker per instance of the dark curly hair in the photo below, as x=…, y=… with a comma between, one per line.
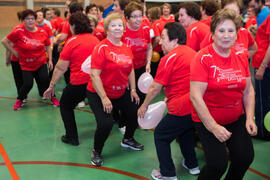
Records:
x=81, y=22
x=90, y=6
x=176, y=31
x=192, y=9
x=210, y=7
x=27, y=12
x=74, y=7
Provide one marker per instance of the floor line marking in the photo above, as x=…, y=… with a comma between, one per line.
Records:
x=8, y=163
x=80, y=165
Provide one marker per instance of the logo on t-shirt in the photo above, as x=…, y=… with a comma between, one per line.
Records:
x=33, y=42
x=121, y=58
x=135, y=42
x=227, y=74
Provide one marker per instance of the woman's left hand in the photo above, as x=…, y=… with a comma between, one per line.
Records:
x=49, y=93
x=148, y=68
x=259, y=74
x=134, y=96
x=251, y=127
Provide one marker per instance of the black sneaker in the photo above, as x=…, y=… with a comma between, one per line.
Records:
x=96, y=158
x=132, y=144
x=67, y=140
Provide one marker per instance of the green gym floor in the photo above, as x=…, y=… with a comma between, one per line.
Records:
x=31, y=149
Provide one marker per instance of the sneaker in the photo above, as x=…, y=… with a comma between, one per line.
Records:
x=96, y=158
x=25, y=101
x=122, y=130
x=156, y=175
x=132, y=144
x=192, y=171
x=81, y=104
x=55, y=102
x=18, y=104
x=67, y=140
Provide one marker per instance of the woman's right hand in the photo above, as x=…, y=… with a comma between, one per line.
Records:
x=107, y=105
x=221, y=133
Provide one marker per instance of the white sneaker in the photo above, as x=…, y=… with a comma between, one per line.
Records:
x=157, y=176
x=81, y=104
x=193, y=171
x=122, y=130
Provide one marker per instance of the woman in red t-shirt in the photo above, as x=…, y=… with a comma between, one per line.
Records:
x=32, y=45
x=137, y=37
x=189, y=17
x=223, y=99
x=76, y=50
x=173, y=74
x=158, y=26
x=111, y=73
x=166, y=13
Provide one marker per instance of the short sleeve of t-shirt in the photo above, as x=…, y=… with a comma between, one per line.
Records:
x=65, y=28
x=13, y=36
x=67, y=50
x=199, y=67
x=47, y=42
x=97, y=59
x=163, y=71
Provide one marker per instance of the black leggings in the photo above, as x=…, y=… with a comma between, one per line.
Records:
x=72, y=95
x=138, y=73
x=42, y=79
x=240, y=151
x=105, y=121
x=17, y=74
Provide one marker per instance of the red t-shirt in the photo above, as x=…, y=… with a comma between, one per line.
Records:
x=196, y=33
x=174, y=73
x=66, y=29
x=243, y=42
x=262, y=39
x=99, y=31
x=56, y=22
x=13, y=58
x=47, y=29
x=31, y=47
x=251, y=21
x=226, y=78
x=158, y=27
x=171, y=19
x=207, y=21
x=138, y=42
x=115, y=63
x=76, y=50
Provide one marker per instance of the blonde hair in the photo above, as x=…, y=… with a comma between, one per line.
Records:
x=112, y=17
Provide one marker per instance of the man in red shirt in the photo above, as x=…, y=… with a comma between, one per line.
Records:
x=173, y=74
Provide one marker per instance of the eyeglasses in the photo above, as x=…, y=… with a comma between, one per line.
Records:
x=30, y=19
x=136, y=17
